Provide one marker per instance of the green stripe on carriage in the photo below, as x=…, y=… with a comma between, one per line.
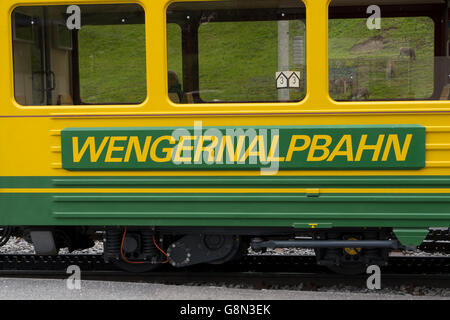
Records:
x=268, y=210
x=225, y=181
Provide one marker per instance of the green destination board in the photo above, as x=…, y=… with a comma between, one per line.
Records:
x=296, y=147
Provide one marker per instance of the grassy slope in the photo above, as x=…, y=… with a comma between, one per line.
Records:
x=242, y=64
x=412, y=79
x=238, y=61
x=112, y=64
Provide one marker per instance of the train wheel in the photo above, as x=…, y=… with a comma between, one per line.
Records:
x=343, y=261
x=352, y=261
x=198, y=248
x=133, y=250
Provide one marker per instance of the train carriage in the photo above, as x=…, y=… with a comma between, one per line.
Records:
x=187, y=131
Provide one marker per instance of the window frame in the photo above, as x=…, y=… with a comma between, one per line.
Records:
x=232, y=104
x=393, y=11
x=76, y=86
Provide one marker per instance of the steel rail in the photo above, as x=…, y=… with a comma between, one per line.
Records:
x=257, y=271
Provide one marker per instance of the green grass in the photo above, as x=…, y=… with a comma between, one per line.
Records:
x=112, y=64
x=238, y=60
x=174, y=49
x=411, y=80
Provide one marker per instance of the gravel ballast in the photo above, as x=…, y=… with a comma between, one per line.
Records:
x=20, y=246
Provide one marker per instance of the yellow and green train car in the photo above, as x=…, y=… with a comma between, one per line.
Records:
x=197, y=128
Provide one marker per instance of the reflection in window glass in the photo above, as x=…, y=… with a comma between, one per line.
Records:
x=233, y=51
x=112, y=63
x=73, y=55
x=393, y=63
x=236, y=68
x=174, y=63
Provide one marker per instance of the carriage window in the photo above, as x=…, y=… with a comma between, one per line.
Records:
x=393, y=62
x=246, y=51
x=174, y=62
x=79, y=55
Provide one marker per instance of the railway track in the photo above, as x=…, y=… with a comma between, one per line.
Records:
x=258, y=271
x=438, y=240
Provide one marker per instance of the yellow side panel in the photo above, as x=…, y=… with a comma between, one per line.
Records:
x=30, y=136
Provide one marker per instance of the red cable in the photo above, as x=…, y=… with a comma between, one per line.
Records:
x=121, y=250
x=138, y=262
x=167, y=257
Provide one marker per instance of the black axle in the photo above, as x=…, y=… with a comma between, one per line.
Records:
x=372, y=244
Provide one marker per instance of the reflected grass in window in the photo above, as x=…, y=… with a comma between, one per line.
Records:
x=112, y=64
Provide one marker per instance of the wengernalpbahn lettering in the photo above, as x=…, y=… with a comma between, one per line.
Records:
x=318, y=147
